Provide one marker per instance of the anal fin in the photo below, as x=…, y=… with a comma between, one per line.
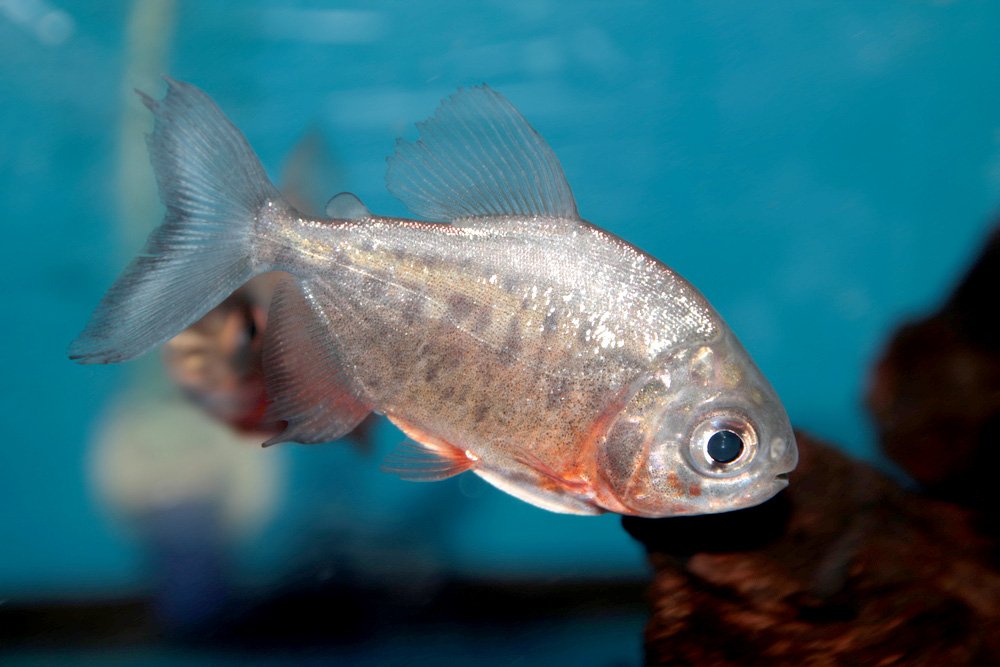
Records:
x=308, y=382
x=426, y=458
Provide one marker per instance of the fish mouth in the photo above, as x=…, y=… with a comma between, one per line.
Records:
x=783, y=477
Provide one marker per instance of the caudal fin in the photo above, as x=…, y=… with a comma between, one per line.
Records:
x=213, y=187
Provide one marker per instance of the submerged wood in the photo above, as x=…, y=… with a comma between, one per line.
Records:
x=842, y=568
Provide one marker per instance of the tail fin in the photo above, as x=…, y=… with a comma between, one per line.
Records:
x=213, y=187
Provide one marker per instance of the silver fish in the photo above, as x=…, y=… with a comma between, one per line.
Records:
x=516, y=340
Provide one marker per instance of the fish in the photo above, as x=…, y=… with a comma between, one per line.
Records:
x=217, y=361
x=501, y=332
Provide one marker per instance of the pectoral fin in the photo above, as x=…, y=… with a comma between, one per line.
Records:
x=427, y=458
x=536, y=488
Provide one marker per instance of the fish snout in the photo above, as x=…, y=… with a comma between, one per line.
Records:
x=783, y=455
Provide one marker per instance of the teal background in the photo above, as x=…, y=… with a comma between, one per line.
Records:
x=821, y=171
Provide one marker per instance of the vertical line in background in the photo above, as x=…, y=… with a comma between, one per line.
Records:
x=148, y=38
x=149, y=32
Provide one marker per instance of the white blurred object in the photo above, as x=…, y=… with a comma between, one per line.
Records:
x=50, y=26
x=152, y=452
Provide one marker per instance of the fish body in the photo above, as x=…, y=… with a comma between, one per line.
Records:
x=512, y=339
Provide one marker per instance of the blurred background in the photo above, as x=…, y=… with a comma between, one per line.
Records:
x=820, y=171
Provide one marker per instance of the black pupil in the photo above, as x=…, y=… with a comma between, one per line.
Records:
x=725, y=447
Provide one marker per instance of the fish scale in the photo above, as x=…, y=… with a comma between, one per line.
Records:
x=414, y=365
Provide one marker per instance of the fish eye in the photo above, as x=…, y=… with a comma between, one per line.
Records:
x=724, y=446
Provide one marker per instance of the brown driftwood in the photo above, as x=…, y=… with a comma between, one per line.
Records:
x=935, y=393
x=845, y=567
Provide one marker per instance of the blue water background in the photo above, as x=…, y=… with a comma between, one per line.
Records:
x=821, y=171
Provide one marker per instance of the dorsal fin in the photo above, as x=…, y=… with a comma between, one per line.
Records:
x=346, y=206
x=478, y=156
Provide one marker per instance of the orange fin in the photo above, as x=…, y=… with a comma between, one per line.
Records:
x=575, y=486
x=426, y=458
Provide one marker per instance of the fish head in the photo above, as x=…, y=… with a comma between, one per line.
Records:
x=217, y=361
x=701, y=432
